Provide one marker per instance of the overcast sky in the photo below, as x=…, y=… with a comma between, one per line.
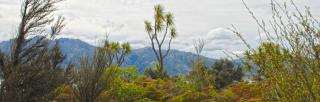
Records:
x=89, y=20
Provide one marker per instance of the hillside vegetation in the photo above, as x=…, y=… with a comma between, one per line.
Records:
x=285, y=67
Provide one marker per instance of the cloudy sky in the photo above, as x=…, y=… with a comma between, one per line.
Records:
x=90, y=20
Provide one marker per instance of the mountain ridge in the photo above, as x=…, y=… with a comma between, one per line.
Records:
x=176, y=63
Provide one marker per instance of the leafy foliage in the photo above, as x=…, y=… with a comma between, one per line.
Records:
x=156, y=72
x=226, y=73
x=289, y=62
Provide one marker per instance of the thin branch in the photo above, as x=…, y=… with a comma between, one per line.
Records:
x=169, y=48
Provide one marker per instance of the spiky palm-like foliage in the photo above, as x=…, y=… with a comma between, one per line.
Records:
x=161, y=31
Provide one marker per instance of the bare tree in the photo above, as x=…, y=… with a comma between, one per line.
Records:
x=162, y=31
x=90, y=81
x=198, y=46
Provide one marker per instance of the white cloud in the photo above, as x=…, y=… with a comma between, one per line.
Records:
x=216, y=41
x=89, y=20
x=221, y=39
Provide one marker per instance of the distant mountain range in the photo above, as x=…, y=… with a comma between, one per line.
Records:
x=177, y=62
